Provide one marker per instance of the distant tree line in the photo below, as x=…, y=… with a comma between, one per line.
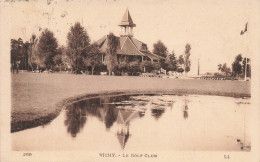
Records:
x=43, y=53
x=171, y=63
x=239, y=66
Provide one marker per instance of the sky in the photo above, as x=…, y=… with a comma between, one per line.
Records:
x=212, y=28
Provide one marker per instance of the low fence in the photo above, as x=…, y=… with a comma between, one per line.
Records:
x=217, y=78
x=150, y=75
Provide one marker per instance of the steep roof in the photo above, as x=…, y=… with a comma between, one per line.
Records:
x=126, y=46
x=101, y=40
x=138, y=43
x=129, y=46
x=152, y=56
x=125, y=116
x=127, y=20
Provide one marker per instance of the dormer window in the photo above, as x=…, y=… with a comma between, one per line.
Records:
x=144, y=47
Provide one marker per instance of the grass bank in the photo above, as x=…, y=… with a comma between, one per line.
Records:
x=38, y=98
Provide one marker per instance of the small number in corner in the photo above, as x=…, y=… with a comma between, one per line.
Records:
x=27, y=154
x=226, y=157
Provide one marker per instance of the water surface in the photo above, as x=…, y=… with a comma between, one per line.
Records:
x=144, y=122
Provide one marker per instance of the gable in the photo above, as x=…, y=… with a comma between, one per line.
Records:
x=140, y=45
x=129, y=48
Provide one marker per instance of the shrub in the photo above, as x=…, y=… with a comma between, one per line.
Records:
x=123, y=66
x=134, y=67
x=149, y=66
x=100, y=68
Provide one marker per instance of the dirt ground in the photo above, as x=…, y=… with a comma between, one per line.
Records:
x=38, y=98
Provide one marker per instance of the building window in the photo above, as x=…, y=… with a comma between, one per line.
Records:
x=144, y=47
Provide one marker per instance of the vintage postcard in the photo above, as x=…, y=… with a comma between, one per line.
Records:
x=117, y=80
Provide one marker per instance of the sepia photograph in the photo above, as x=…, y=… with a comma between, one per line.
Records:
x=118, y=80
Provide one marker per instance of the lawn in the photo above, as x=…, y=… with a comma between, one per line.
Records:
x=38, y=98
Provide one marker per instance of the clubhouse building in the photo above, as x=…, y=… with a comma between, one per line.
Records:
x=129, y=48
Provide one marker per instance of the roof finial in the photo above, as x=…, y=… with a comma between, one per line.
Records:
x=127, y=20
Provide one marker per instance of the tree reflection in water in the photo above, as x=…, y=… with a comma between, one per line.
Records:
x=103, y=108
x=157, y=113
x=119, y=109
x=76, y=118
x=76, y=115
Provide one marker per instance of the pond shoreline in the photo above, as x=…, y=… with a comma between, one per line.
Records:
x=45, y=119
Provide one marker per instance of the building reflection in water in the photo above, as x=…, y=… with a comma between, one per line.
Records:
x=119, y=109
x=123, y=120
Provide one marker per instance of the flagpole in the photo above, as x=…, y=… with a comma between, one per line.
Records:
x=245, y=69
x=246, y=48
x=242, y=33
x=198, y=66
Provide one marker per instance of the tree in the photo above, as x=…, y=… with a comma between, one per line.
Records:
x=94, y=58
x=20, y=53
x=180, y=61
x=160, y=49
x=47, y=47
x=172, y=63
x=111, y=58
x=187, y=62
x=78, y=43
x=165, y=64
x=225, y=69
x=180, y=70
x=59, y=57
x=25, y=53
x=219, y=67
x=16, y=53
x=236, y=65
x=32, y=54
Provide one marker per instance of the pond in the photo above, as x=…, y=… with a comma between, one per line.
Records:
x=144, y=122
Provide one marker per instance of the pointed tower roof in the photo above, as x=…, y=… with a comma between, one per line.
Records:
x=127, y=20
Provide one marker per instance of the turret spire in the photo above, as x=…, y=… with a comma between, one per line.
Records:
x=127, y=24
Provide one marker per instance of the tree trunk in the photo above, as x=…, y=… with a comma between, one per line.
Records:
x=30, y=62
x=17, y=66
x=92, y=70
x=26, y=60
x=30, y=59
x=76, y=66
x=31, y=66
